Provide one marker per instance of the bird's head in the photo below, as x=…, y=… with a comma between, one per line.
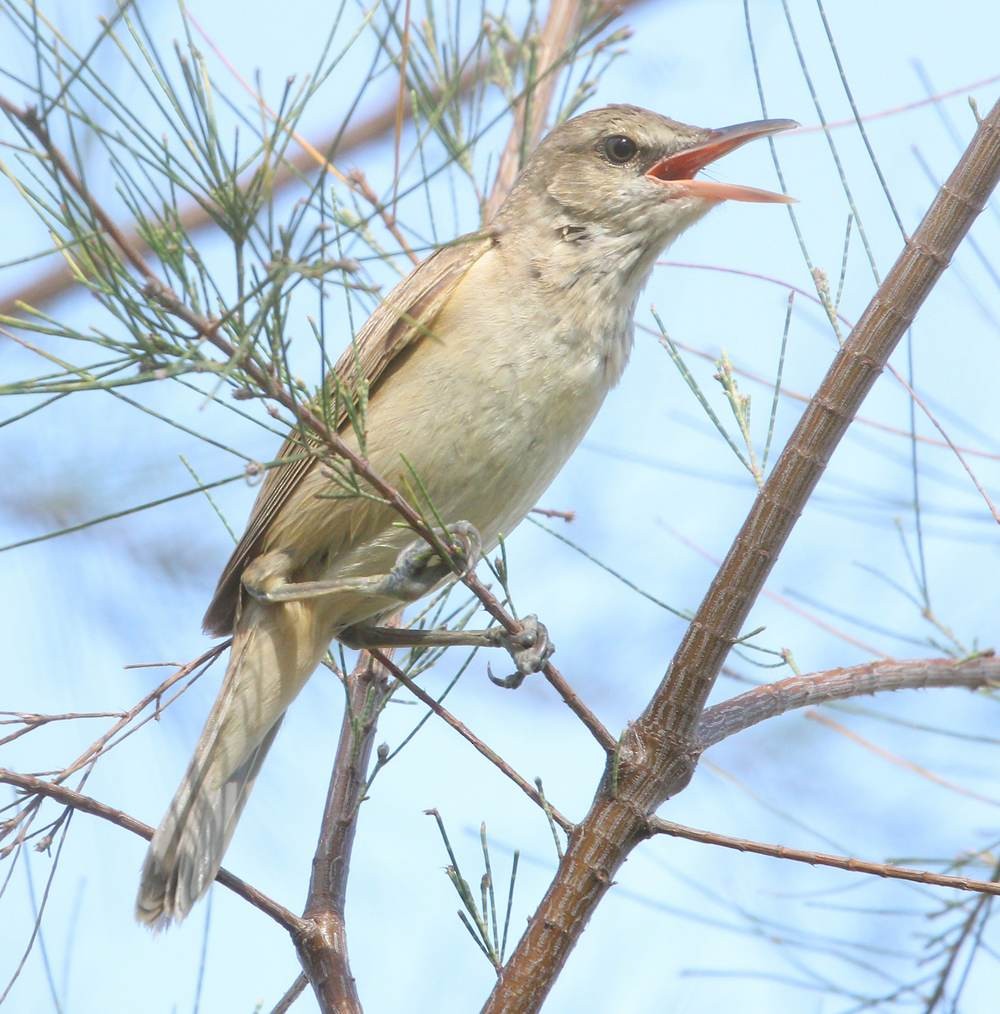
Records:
x=625, y=170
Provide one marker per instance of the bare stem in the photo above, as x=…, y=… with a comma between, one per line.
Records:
x=466, y=733
x=292, y=994
x=886, y=870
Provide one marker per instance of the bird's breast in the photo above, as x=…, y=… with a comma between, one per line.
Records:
x=489, y=407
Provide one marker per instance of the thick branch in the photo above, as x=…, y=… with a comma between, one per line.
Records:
x=757, y=705
x=657, y=754
x=87, y=804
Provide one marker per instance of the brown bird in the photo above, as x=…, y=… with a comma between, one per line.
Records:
x=483, y=370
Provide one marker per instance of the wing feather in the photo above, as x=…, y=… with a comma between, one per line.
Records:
x=401, y=320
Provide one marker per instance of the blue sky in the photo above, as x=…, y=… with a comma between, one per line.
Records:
x=651, y=479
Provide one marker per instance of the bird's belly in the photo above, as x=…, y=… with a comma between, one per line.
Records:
x=473, y=425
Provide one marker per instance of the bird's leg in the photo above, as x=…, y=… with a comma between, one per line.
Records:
x=418, y=568
x=530, y=648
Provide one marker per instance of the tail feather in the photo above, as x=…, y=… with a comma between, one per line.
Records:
x=275, y=650
x=187, y=849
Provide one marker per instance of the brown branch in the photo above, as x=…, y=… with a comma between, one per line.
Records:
x=886, y=870
x=729, y=717
x=322, y=941
x=29, y=721
x=658, y=752
x=552, y=512
x=87, y=804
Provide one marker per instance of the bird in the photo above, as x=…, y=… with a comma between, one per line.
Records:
x=481, y=372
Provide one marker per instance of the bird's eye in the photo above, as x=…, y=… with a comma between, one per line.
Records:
x=620, y=149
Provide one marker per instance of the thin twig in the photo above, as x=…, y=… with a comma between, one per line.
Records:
x=466, y=733
x=893, y=758
x=291, y=994
x=96, y=749
x=886, y=870
x=87, y=804
x=968, y=924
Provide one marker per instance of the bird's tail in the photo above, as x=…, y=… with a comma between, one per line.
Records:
x=275, y=649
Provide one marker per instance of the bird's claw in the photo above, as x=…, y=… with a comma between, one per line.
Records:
x=419, y=567
x=530, y=649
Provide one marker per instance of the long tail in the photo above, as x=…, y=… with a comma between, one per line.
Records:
x=275, y=649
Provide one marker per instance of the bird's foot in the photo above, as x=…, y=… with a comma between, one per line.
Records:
x=419, y=567
x=530, y=649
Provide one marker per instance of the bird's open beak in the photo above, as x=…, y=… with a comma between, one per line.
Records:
x=678, y=170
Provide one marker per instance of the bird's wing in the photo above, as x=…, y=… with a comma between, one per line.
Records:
x=401, y=320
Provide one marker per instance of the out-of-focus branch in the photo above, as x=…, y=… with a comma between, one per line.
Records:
x=563, y=22
x=886, y=870
x=87, y=804
x=977, y=912
x=786, y=392
x=194, y=215
x=757, y=705
x=657, y=754
x=55, y=280
x=292, y=994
